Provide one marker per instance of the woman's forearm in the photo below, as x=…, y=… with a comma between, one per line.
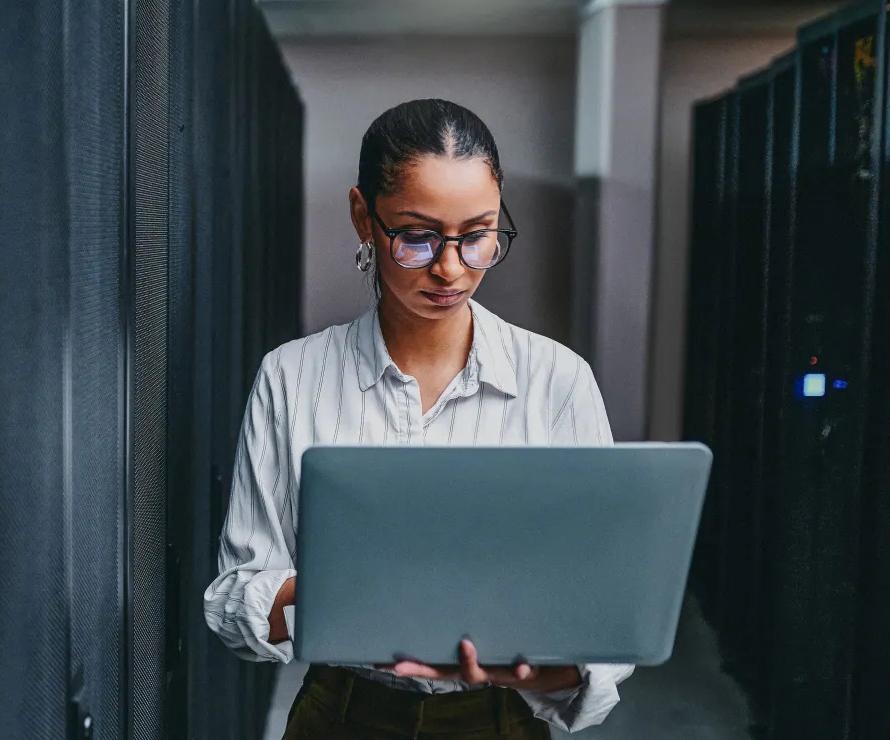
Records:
x=277, y=625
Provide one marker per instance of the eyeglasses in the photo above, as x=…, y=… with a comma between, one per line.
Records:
x=478, y=250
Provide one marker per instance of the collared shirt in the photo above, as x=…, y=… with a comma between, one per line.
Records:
x=340, y=386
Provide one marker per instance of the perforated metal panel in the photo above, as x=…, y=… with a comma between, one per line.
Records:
x=34, y=490
x=148, y=241
x=62, y=444
x=94, y=110
x=185, y=524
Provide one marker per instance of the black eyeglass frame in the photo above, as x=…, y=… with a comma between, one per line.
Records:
x=510, y=233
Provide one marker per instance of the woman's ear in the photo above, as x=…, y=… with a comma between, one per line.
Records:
x=358, y=211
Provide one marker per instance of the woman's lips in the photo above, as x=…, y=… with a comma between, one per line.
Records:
x=443, y=300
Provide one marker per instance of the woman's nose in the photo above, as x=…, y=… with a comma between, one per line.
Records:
x=448, y=266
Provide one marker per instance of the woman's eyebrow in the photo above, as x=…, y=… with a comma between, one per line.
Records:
x=432, y=220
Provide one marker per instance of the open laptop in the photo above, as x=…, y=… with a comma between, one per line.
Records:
x=549, y=555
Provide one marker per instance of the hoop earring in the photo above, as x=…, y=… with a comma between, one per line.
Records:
x=364, y=259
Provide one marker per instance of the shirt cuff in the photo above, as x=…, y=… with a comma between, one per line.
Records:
x=575, y=708
x=259, y=595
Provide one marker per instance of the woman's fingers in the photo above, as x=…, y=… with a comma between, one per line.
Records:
x=515, y=675
x=470, y=670
x=523, y=671
x=426, y=670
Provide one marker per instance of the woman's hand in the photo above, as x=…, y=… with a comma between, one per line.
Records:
x=518, y=676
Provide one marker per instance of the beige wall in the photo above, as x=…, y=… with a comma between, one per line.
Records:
x=522, y=87
x=693, y=68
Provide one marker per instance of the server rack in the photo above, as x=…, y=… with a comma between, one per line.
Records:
x=801, y=498
x=62, y=432
x=728, y=341
x=782, y=155
x=744, y=357
x=871, y=683
x=703, y=303
x=832, y=292
x=711, y=307
x=239, y=270
x=153, y=145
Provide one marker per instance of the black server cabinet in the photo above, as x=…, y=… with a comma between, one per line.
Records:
x=871, y=717
x=721, y=488
x=237, y=215
x=736, y=191
x=151, y=231
x=711, y=310
x=709, y=125
x=818, y=508
x=782, y=156
x=744, y=357
x=62, y=431
x=790, y=220
x=703, y=303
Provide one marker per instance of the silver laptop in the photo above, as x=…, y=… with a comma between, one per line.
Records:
x=548, y=555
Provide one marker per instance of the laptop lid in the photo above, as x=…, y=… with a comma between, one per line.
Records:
x=549, y=555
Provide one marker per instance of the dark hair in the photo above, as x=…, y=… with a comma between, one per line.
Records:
x=401, y=135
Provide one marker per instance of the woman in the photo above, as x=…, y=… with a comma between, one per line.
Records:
x=425, y=365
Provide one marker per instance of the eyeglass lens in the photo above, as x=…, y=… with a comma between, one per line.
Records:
x=417, y=248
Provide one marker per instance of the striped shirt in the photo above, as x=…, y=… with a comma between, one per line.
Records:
x=340, y=386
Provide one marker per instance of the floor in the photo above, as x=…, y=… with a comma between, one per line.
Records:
x=687, y=698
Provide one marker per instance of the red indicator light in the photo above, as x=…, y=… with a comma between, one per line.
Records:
x=814, y=360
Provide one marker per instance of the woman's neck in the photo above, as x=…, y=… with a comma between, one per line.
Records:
x=417, y=344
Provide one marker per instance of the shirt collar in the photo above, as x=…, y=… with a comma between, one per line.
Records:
x=488, y=361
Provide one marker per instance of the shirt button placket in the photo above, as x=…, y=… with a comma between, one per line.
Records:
x=403, y=418
x=411, y=394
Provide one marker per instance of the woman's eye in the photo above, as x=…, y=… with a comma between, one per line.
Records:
x=416, y=239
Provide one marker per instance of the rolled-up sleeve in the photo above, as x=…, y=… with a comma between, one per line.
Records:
x=588, y=704
x=257, y=541
x=581, y=420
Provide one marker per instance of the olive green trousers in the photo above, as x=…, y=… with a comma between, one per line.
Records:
x=337, y=704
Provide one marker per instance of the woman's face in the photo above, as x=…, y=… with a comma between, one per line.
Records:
x=451, y=196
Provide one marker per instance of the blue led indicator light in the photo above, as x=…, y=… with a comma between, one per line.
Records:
x=814, y=384
x=839, y=384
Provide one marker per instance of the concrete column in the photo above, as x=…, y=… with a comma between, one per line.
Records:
x=619, y=54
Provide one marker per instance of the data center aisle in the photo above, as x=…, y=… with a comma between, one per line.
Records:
x=688, y=698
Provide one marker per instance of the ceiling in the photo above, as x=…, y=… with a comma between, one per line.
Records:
x=333, y=18
x=449, y=17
